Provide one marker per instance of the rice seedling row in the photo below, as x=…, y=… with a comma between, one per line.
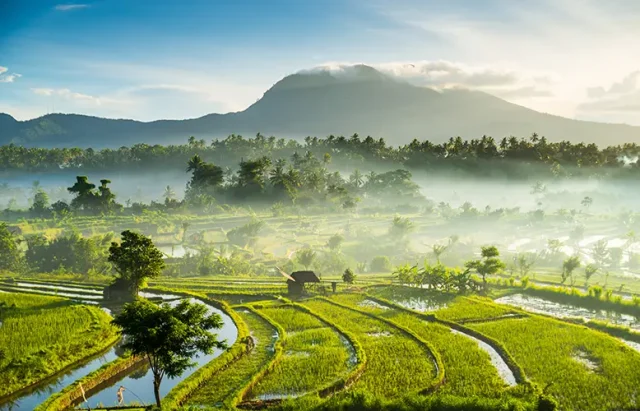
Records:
x=468, y=369
x=40, y=335
x=221, y=390
x=396, y=363
x=314, y=356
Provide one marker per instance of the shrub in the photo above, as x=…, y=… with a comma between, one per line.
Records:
x=380, y=263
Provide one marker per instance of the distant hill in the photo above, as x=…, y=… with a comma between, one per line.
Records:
x=320, y=103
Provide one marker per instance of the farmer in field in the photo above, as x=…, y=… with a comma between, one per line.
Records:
x=120, y=395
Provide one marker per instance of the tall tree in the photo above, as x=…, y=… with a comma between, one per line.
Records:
x=169, y=337
x=490, y=263
x=348, y=276
x=84, y=194
x=10, y=254
x=306, y=257
x=40, y=206
x=568, y=267
x=105, y=199
x=135, y=259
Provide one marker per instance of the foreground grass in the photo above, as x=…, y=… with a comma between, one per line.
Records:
x=314, y=356
x=396, y=364
x=549, y=351
x=41, y=335
x=220, y=390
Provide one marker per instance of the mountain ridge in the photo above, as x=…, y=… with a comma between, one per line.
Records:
x=359, y=100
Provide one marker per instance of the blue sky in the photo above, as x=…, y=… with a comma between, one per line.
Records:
x=152, y=59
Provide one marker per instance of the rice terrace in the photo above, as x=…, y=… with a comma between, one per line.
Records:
x=207, y=205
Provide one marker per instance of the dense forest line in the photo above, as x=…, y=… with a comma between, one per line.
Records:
x=300, y=181
x=510, y=157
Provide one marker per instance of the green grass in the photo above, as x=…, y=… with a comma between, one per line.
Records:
x=220, y=390
x=396, y=364
x=41, y=335
x=468, y=369
x=472, y=308
x=314, y=356
x=547, y=348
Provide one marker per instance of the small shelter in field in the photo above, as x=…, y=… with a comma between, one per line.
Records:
x=300, y=278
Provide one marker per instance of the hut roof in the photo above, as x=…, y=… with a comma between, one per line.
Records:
x=305, y=277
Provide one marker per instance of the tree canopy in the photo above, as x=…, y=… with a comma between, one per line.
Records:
x=168, y=336
x=135, y=259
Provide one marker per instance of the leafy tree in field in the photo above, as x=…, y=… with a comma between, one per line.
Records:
x=461, y=280
x=587, y=202
x=10, y=254
x=361, y=267
x=524, y=262
x=169, y=194
x=335, y=241
x=243, y=235
x=407, y=274
x=432, y=276
x=253, y=175
x=40, y=206
x=438, y=250
x=600, y=252
x=70, y=252
x=348, y=276
x=615, y=257
x=490, y=263
x=168, y=336
x=105, y=199
x=84, y=195
x=401, y=226
x=568, y=267
x=356, y=179
x=306, y=257
x=60, y=208
x=589, y=271
x=380, y=264
x=135, y=259
x=206, y=178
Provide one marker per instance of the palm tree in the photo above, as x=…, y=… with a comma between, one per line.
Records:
x=169, y=194
x=356, y=179
x=306, y=257
x=194, y=163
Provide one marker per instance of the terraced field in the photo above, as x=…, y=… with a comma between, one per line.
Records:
x=584, y=369
x=40, y=335
x=436, y=349
x=226, y=387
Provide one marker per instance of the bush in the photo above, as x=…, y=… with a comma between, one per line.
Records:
x=380, y=263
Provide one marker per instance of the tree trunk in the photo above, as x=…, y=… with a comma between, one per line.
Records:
x=156, y=392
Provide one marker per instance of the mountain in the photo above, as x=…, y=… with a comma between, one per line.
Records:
x=318, y=103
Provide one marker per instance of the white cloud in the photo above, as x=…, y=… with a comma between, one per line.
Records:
x=500, y=81
x=582, y=42
x=8, y=78
x=620, y=97
x=69, y=7
x=71, y=95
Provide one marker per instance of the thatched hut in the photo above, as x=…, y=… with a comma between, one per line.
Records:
x=296, y=287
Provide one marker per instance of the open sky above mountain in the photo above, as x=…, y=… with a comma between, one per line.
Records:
x=173, y=59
